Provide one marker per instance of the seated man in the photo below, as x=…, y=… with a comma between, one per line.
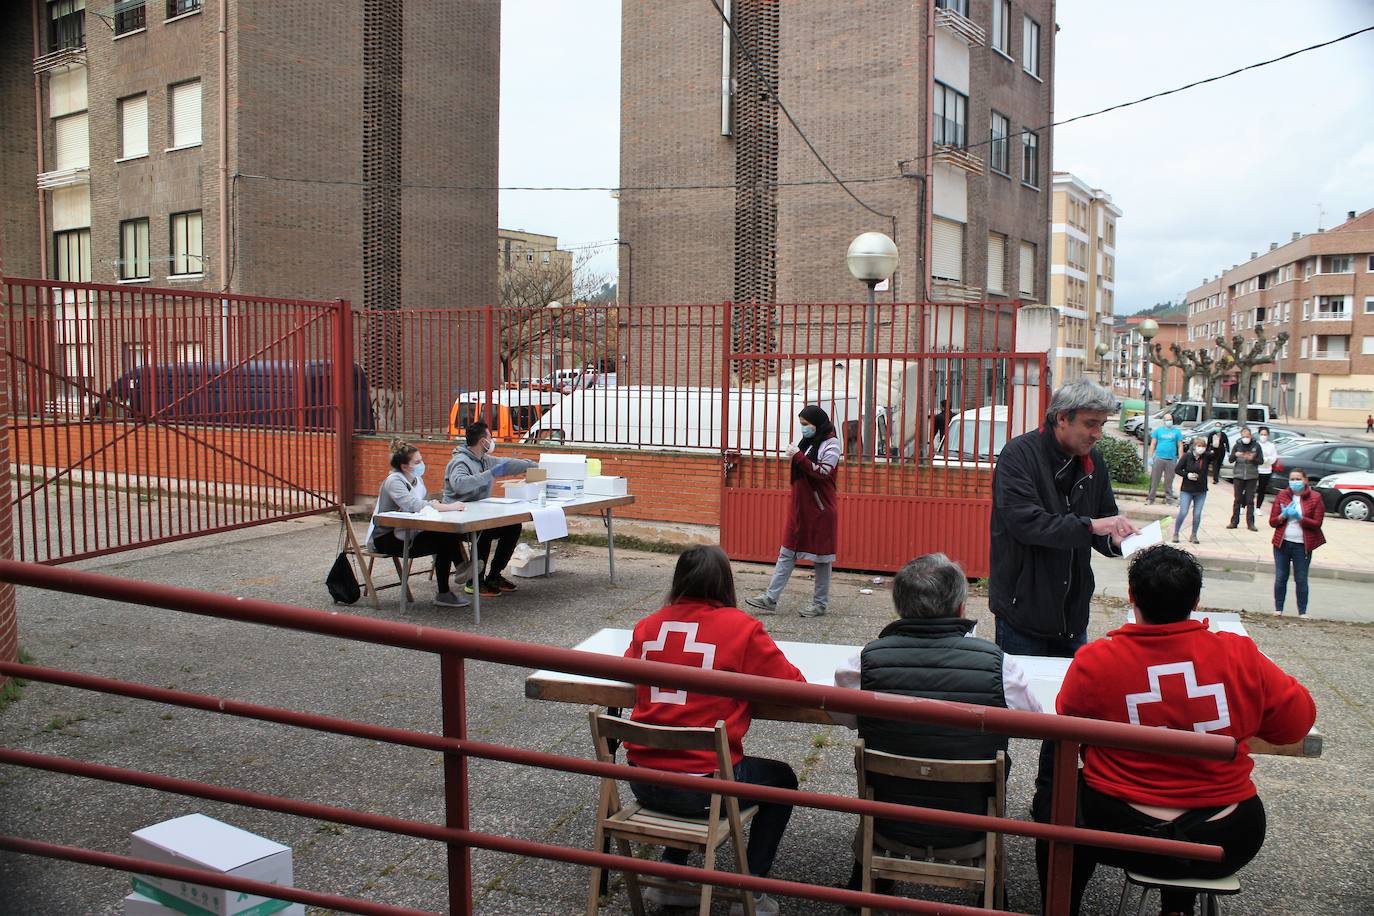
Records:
x=1168, y=671
x=930, y=651
x=469, y=477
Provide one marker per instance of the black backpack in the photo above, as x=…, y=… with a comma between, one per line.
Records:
x=342, y=584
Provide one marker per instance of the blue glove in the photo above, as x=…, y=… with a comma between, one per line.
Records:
x=1293, y=510
x=498, y=468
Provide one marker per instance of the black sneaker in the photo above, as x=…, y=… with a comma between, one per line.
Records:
x=503, y=583
x=489, y=589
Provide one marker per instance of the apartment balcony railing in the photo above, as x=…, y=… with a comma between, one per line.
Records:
x=960, y=158
x=64, y=178
x=1342, y=315
x=964, y=28
x=61, y=59
x=1330, y=354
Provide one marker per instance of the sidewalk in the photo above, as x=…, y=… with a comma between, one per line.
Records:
x=1347, y=554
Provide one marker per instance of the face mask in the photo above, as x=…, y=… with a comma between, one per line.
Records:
x=491, y=446
x=1297, y=486
x=1168, y=421
x=1245, y=439
x=1199, y=451
x=808, y=432
x=418, y=469
x=1264, y=437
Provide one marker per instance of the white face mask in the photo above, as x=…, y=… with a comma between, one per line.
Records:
x=1168, y=421
x=1245, y=439
x=491, y=446
x=1198, y=450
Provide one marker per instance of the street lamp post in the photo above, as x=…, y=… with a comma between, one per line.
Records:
x=1148, y=329
x=1102, y=350
x=871, y=258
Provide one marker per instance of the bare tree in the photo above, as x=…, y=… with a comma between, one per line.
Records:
x=1179, y=361
x=1211, y=370
x=1245, y=358
x=525, y=323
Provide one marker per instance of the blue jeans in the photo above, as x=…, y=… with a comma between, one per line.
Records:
x=1294, y=555
x=1018, y=642
x=782, y=571
x=765, y=833
x=1187, y=500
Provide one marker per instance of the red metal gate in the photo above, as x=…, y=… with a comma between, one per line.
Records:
x=923, y=410
x=141, y=416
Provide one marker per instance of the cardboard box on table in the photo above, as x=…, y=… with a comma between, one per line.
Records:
x=607, y=486
x=564, y=467
x=519, y=489
x=197, y=841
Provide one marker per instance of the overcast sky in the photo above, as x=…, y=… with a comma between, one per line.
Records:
x=1204, y=177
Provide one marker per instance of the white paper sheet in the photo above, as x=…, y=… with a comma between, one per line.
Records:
x=549, y=523
x=428, y=511
x=1148, y=536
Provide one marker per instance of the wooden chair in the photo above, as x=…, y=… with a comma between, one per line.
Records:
x=364, y=556
x=634, y=823
x=1210, y=889
x=979, y=864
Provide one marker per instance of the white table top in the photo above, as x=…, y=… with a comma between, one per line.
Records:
x=499, y=509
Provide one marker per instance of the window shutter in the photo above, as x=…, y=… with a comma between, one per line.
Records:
x=948, y=239
x=71, y=208
x=186, y=114
x=133, y=127
x=67, y=92
x=1027, y=269
x=997, y=263
x=72, y=146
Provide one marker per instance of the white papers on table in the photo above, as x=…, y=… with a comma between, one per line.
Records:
x=1148, y=536
x=428, y=512
x=549, y=523
x=502, y=500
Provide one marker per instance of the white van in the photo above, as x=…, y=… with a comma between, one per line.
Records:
x=1189, y=414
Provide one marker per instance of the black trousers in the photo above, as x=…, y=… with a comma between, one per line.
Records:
x=1244, y=499
x=1262, y=489
x=506, y=538
x=446, y=549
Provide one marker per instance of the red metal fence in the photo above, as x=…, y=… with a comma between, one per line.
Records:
x=454, y=649
x=141, y=415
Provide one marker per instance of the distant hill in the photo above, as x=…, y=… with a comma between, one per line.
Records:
x=1163, y=310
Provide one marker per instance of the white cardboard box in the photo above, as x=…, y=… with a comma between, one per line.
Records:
x=519, y=489
x=608, y=486
x=564, y=489
x=139, y=905
x=197, y=841
x=533, y=566
x=564, y=467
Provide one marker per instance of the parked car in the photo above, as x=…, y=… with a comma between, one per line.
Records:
x=1189, y=413
x=1319, y=460
x=1349, y=495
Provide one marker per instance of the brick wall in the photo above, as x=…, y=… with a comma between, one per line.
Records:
x=9, y=622
x=18, y=149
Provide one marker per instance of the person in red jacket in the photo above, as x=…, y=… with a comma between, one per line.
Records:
x=1169, y=671
x=1296, y=516
x=701, y=627
x=812, y=513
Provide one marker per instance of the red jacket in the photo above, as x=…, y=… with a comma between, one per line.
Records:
x=1181, y=675
x=706, y=636
x=1313, y=511
x=813, y=511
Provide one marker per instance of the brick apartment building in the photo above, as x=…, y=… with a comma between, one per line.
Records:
x=1132, y=373
x=1082, y=275
x=1318, y=287
x=929, y=98
x=306, y=149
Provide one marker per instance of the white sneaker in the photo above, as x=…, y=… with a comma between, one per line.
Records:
x=763, y=906
x=762, y=602
x=657, y=897
x=451, y=599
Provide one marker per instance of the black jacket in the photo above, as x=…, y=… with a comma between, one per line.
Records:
x=1042, y=579
x=1192, y=464
x=932, y=658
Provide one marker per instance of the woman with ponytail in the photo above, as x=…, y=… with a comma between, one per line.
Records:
x=404, y=490
x=812, y=514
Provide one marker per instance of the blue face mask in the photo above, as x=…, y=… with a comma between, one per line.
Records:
x=808, y=432
x=418, y=470
x=1297, y=486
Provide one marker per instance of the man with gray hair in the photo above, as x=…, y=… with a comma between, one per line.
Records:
x=931, y=651
x=1052, y=503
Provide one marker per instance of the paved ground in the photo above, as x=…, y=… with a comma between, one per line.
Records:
x=1317, y=859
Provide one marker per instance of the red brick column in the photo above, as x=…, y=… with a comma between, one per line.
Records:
x=9, y=621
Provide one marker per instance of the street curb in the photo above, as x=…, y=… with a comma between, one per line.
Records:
x=1319, y=572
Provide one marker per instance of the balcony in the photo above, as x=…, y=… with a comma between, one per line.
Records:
x=965, y=29
x=1331, y=362
x=960, y=158
x=61, y=59
x=64, y=178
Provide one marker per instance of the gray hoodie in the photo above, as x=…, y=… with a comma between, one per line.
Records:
x=469, y=478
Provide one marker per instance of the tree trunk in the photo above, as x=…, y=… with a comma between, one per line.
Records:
x=1211, y=396
x=1243, y=393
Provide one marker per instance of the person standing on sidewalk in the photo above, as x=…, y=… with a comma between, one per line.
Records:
x=1167, y=439
x=812, y=514
x=1192, y=489
x=1369, y=423
x=1296, y=517
x=1269, y=453
x=1218, y=447
x=1245, y=458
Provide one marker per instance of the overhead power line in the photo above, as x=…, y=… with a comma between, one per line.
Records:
x=832, y=177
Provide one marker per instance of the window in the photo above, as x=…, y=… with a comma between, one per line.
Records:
x=185, y=114
x=947, y=237
x=133, y=127
x=72, y=255
x=951, y=116
x=1306, y=309
x=1306, y=269
x=1001, y=26
x=71, y=142
x=956, y=6
x=1332, y=307
x=999, y=154
x=1337, y=264
x=1302, y=348
x=1111, y=234
x=133, y=249
x=1030, y=159
x=181, y=7
x=997, y=262
x=130, y=17
x=186, y=250
x=1367, y=346
x=1370, y=266
x=1351, y=400
x=66, y=24
x=1030, y=47
x=1369, y=305
x=1349, y=456
x=1027, y=278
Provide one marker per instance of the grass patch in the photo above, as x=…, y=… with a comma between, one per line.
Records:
x=13, y=688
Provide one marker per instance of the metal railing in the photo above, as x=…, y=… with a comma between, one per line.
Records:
x=455, y=649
